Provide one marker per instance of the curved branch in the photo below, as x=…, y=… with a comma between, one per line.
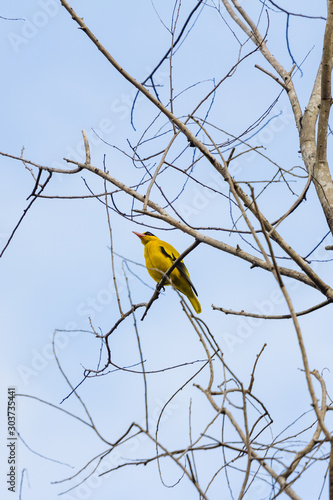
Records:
x=195, y=142
x=267, y=316
x=321, y=173
x=25, y=211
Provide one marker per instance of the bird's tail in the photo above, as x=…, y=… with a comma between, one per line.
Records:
x=195, y=303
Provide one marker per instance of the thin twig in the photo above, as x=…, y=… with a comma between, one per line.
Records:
x=272, y=316
x=25, y=211
x=275, y=78
x=140, y=349
x=158, y=168
x=254, y=368
x=114, y=278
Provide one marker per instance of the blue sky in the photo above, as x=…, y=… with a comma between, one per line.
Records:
x=57, y=271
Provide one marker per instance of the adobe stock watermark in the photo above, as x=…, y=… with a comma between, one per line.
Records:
x=29, y=28
x=89, y=308
x=262, y=488
x=118, y=110
x=201, y=196
x=120, y=455
x=247, y=326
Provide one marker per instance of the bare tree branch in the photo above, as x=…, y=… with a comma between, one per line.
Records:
x=272, y=316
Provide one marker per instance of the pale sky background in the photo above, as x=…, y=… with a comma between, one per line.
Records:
x=57, y=271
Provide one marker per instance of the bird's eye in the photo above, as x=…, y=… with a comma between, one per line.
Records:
x=147, y=233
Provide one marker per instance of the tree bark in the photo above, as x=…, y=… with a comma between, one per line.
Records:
x=321, y=173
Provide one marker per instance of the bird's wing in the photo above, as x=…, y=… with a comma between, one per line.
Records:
x=180, y=266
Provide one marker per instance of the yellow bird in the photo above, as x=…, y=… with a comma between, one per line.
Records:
x=159, y=256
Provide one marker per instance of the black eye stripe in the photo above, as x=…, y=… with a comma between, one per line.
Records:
x=147, y=233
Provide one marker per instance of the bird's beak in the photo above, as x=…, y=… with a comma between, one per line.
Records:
x=140, y=235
